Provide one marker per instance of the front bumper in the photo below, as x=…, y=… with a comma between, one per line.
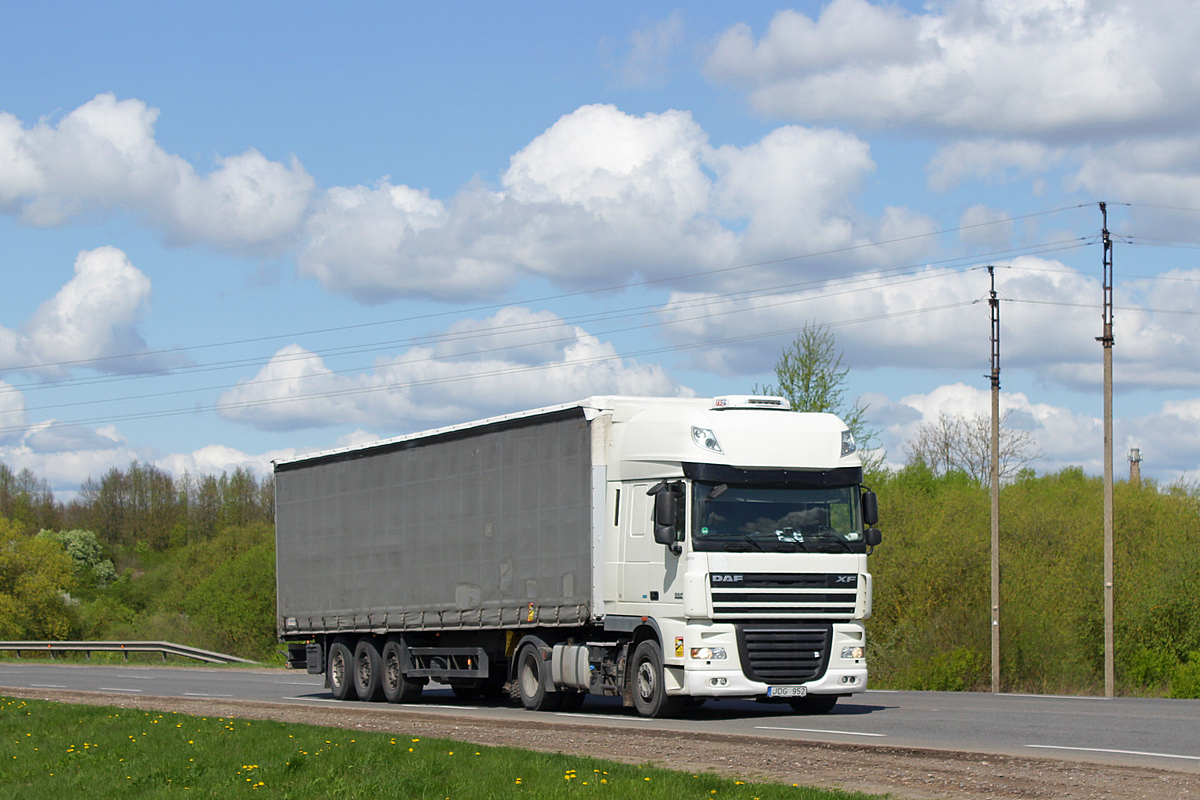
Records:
x=732, y=683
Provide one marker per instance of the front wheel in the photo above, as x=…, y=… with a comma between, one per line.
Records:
x=650, y=696
x=533, y=680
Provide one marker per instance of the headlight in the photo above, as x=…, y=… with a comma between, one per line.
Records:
x=854, y=652
x=704, y=437
x=708, y=653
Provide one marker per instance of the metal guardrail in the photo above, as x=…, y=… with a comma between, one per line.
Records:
x=87, y=648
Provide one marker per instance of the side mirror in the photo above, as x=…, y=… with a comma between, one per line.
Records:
x=664, y=516
x=870, y=508
x=874, y=537
x=665, y=510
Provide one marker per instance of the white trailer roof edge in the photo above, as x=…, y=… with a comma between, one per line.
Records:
x=591, y=407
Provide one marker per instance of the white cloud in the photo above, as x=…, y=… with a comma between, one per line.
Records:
x=1158, y=170
x=90, y=322
x=1070, y=68
x=215, y=459
x=1061, y=437
x=600, y=197
x=651, y=50
x=514, y=360
x=48, y=437
x=103, y=157
x=93, y=318
x=13, y=418
x=68, y=456
x=604, y=196
x=981, y=226
x=939, y=320
x=793, y=187
x=991, y=160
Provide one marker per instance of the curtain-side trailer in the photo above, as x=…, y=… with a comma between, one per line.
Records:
x=654, y=549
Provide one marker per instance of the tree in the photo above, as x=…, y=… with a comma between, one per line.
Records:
x=965, y=444
x=92, y=569
x=810, y=375
x=34, y=574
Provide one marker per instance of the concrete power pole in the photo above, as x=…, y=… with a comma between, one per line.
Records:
x=994, y=302
x=1107, y=342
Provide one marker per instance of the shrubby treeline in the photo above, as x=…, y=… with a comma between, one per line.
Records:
x=931, y=622
x=142, y=555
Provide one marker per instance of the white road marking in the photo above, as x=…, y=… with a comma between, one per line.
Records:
x=296, y=683
x=313, y=699
x=137, y=677
x=818, y=730
x=113, y=689
x=197, y=694
x=582, y=715
x=1107, y=750
x=1054, y=696
x=47, y=686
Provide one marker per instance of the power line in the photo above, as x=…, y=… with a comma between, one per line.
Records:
x=457, y=378
x=491, y=332
x=1053, y=246
x=549, y=298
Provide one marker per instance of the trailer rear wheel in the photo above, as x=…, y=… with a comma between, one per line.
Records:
x=368, y=667
x=340, y=671
x=397, y=688
x=650, y=696
x=533, y=680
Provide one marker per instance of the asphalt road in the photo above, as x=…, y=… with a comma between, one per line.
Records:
x=1131, y=731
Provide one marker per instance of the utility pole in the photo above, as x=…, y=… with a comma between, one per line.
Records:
x=994, y=302
x=1107, y=342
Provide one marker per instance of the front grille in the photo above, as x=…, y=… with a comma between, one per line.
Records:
x=781, y=654
x=751, y=596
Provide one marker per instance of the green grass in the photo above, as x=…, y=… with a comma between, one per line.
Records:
x=51, y=751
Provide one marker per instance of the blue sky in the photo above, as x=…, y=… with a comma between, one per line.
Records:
x=237, y=232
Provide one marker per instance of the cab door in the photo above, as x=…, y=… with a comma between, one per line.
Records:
x=637, y=539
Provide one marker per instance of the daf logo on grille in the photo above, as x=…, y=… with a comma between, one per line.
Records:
x=726, y=577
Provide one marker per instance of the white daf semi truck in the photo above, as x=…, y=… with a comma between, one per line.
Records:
x=660, y=550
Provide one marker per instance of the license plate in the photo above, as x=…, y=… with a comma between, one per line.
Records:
x=787, y=691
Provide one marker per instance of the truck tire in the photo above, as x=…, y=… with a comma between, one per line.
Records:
x=533, y=680
x=368, y=671
x=340, y=671
x=650, y=696
x=397, y=688
x=814, y=704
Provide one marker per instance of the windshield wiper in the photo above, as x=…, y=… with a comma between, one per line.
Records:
x=745, y=539
x=825, y=537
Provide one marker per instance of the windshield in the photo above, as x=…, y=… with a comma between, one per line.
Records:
x=730, y=517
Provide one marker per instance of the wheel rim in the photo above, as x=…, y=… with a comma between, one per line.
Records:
x=391, y=672
x=646, y=681
x=364, y=670
x=531, y=678
x=337, y=669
